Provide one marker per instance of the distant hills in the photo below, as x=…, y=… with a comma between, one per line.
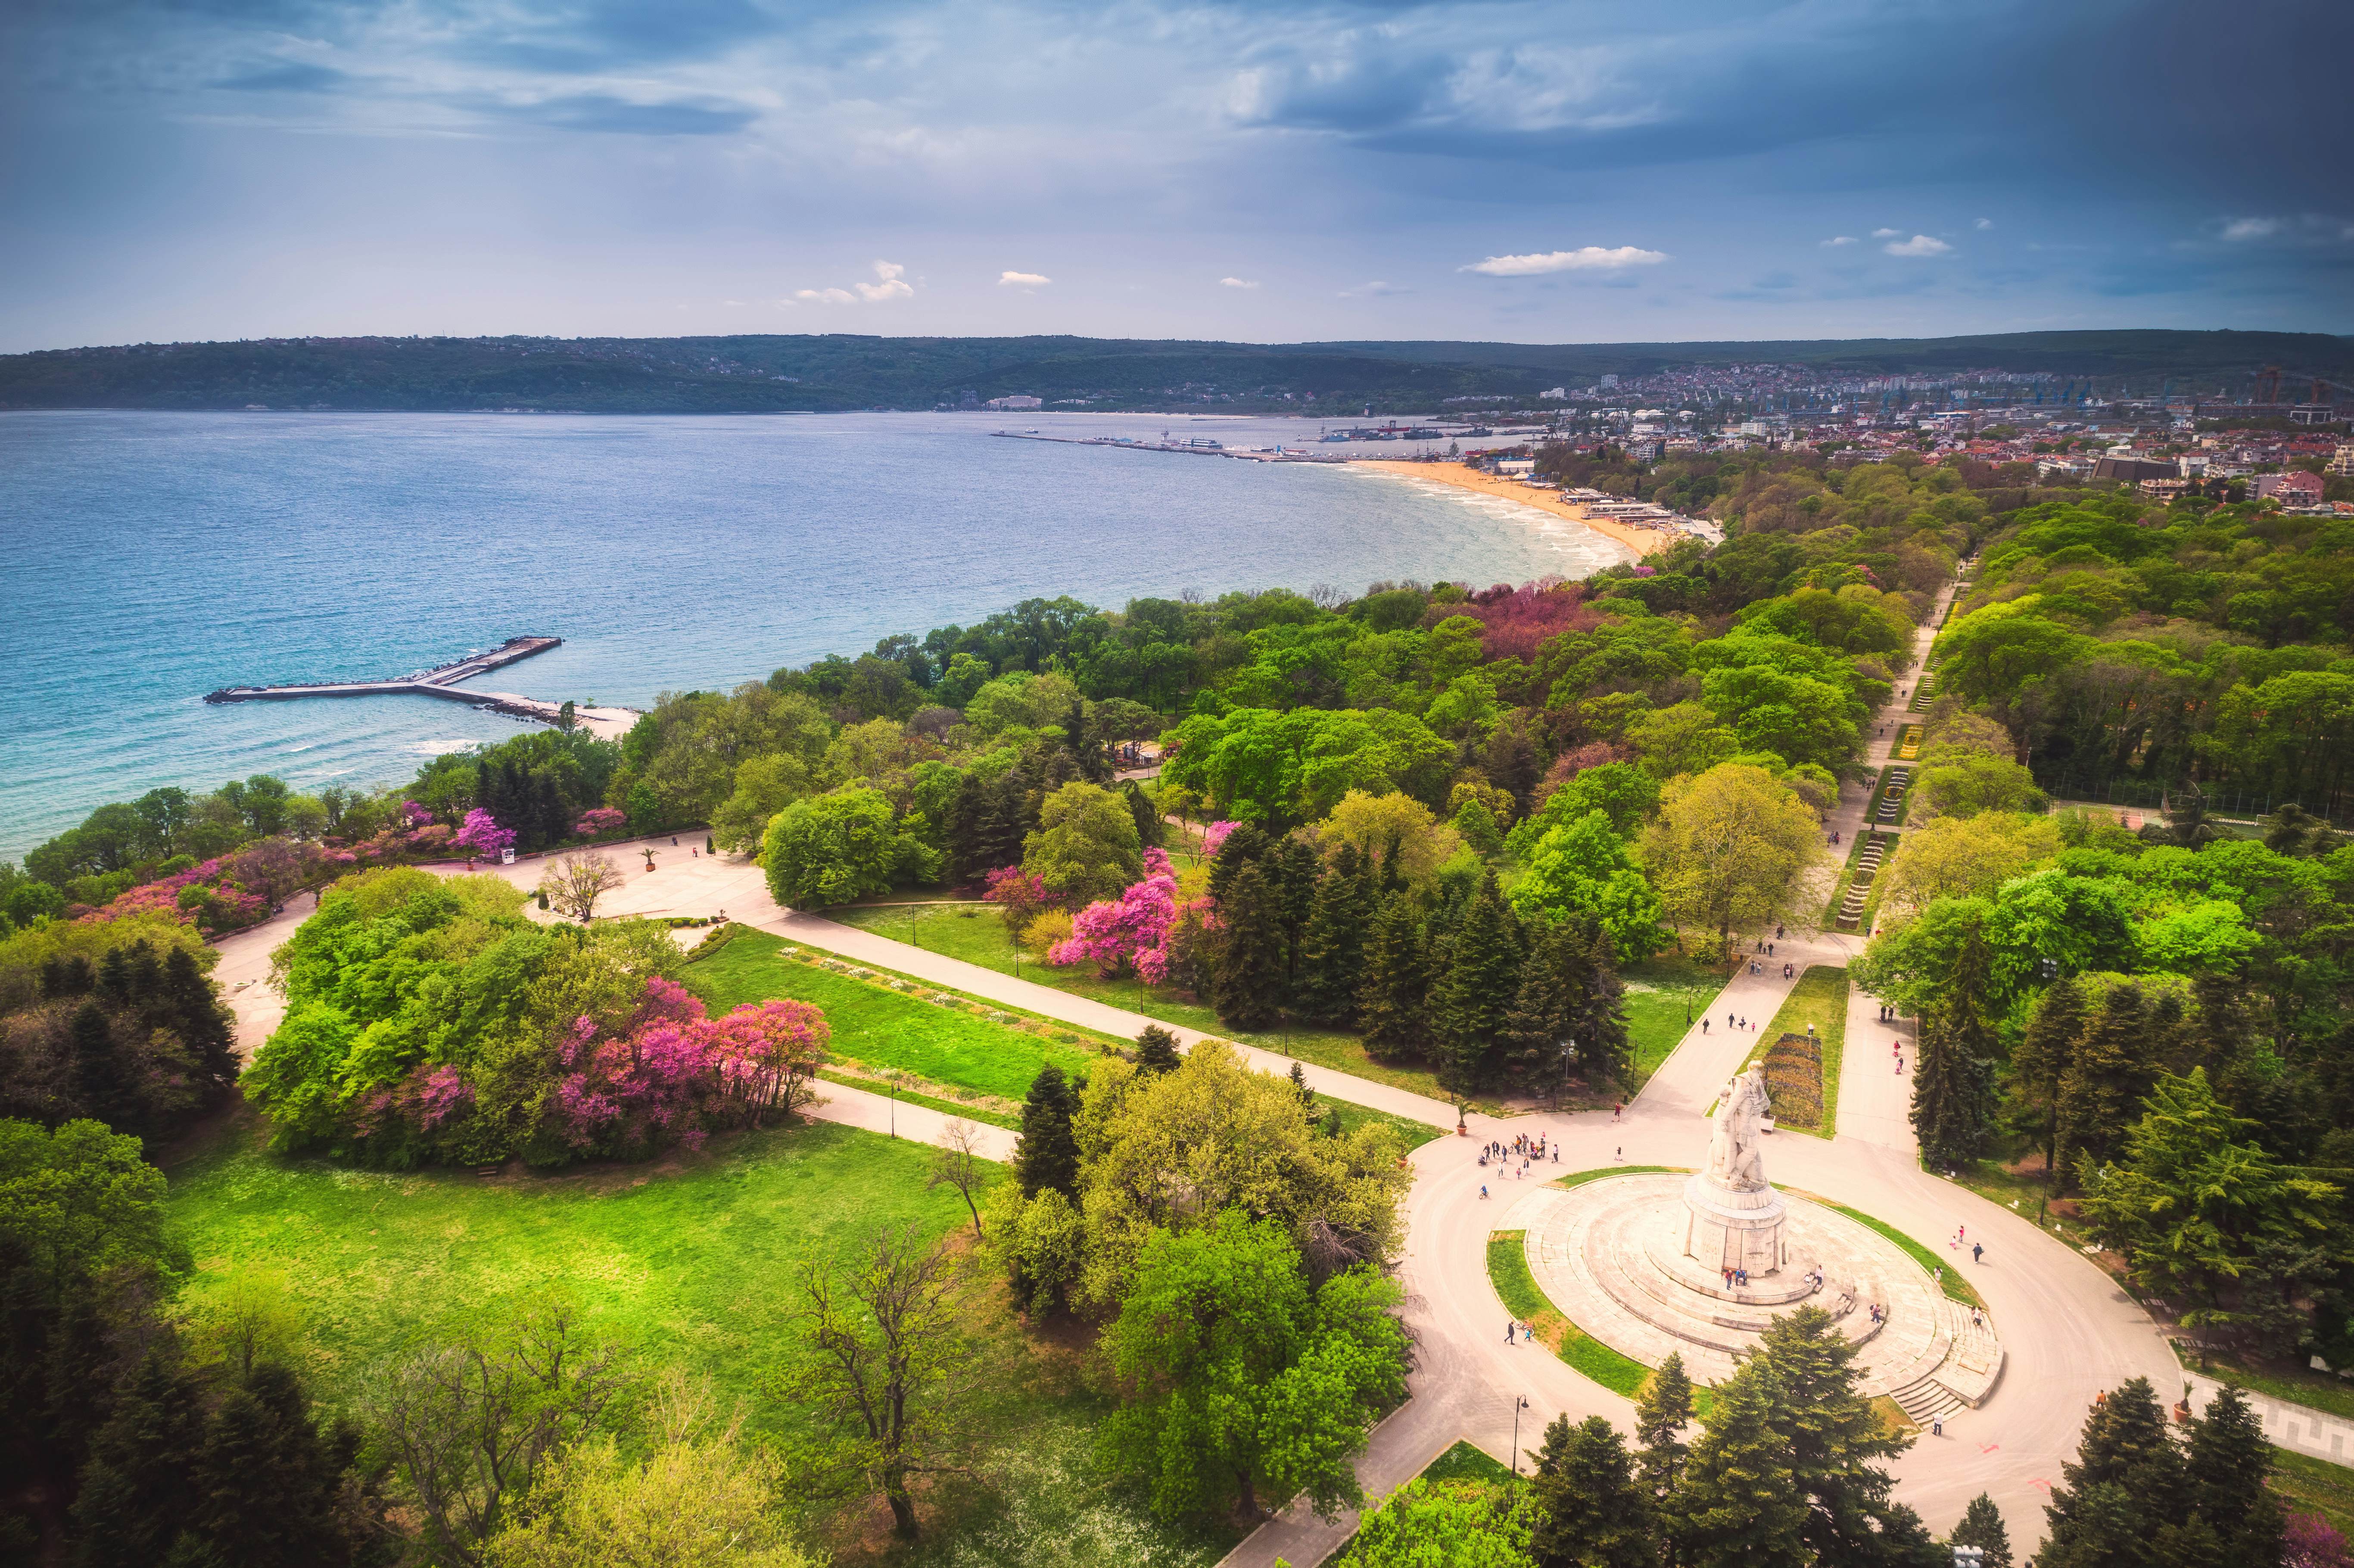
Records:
x=775, y=374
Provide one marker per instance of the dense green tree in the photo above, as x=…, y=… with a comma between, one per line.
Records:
x=2107, y=1075
x=97, y=1075
x=1393, y=999
x=1953, y=1081
x=1248, y=1384
x=1662, y=1411
x=1982, y=1527
x=1332, y=951
x=2230, y=1468
x=1590, y=1511
x=1156, y=1050
x=1739, y=1504
x=139, y=1489
x=1047, y=1155
x=2120, y=1500
x=1086, y=847
x=1149, y=829
x=1461, y=1524
x=1581, y=870
x=1831, y=1436
x=1249, y=984
x=2040, y=1065
x=834, y=848
x=1473, y=998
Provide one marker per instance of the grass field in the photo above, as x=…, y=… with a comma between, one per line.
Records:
x=1508, y=1270
x=2316, y=1486
x=1674, y=990
x=693, y=1261
x=880, y=1028
x=973, y=933
x=1818, y=999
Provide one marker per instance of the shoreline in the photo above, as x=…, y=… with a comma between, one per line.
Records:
x=1642, y=541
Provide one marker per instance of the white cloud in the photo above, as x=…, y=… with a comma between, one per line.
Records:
x=891, y=287
x=1375, y=291
x=1587, y=259
x=1886, y=233
x=1021, y=280
x=2252, y=229
x=1983, y=223
x=1239, y=283
x=1919, y=245
x=1840, y=240
x=890, y=284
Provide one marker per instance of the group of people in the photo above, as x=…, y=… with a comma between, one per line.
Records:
x=1526, y=1148
x=1734, y=1278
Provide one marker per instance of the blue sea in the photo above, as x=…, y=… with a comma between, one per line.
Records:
x=150, y=558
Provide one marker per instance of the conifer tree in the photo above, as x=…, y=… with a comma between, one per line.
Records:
x=195, y=1013
x=1332, y=954
x=1591, y=1512
x=1393, y=1000
x=1982, y=1527
x=1830, y=1435
x=1469, y=1002
x=1249, y=986
x=1149, y=826
x=1247, y=844
x=1739, y=1506
x=2039, y=1065
x=97, y=1075
x=1603, y=1046
x=1662, y=1411
x=1156, y=1051
x=2123, y=1489
x=138, y=1486
x=2102, y=1090
x=1293, y=873
x=1549, y=1005
x=266, y=1484
x=1953, y=1082
x=1047, y=1154
x=2230, y=1464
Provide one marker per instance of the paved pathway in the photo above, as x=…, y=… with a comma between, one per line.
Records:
x=2296, y=1427
x=916, y=1124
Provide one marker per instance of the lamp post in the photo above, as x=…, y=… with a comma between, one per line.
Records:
x=1520, y=1403
x=1568, y=1049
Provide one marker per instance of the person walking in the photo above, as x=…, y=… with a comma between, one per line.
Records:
x=1509, y=1327
x=1936, y=1427
x=1977, y=1251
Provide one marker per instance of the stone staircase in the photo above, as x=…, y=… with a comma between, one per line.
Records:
x=1858, y=892
x=1893, y=785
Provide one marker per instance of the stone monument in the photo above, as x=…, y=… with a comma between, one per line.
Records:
x=1733, y=1216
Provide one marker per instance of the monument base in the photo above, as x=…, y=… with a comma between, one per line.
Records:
x=1727, y=1228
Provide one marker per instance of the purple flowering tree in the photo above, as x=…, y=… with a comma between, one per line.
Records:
x=483, y=836
x=1128, y=932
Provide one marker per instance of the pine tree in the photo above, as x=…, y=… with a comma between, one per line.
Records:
x=1047, y=1154
x=1246, y=844
x=1739, y=1506
x=1662, y=1411
x=1294, y=872
x=1393, y=1000
x=264, y=1484
x=1603, y=1046
x=1982, y=1527
x=195, y=1013
x=138, y=1488
x=2040, y=1065
x=1542, y=1025
x=1831, y=1435
x=1332, y=954
x=1953, y=1083
x=2101, y=1091
x=1468, y=1004
x=1156, y=1051
x=97, y=1068
x=2230, y=1463
x=1149, y=826
x=1249, y=986
x=2124, y=1490
x=1590, y=1511
x=1299, y=1087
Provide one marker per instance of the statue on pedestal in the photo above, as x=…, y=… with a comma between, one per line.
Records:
x=1735, y=1157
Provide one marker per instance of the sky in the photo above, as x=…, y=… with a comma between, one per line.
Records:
x=1563, y=171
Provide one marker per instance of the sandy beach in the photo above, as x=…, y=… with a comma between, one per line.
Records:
x=1642, y=541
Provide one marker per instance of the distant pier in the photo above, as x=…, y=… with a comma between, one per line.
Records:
x=441, y=681
x=1199, y=447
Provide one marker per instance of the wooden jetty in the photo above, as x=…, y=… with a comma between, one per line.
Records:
x=438, y=681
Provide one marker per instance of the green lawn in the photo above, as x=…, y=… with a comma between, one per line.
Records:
x=881, y=1028
x=2298, y=1385
x=689, y=1260
x=2316, y=1486
x=973, y=933
x=1508, y=1270
x=1464, y=1462
x=1664, y=996
x=1820, y=999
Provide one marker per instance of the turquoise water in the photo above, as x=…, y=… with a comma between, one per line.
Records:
x=152, y=557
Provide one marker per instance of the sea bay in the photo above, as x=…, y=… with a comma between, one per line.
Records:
x=154, y=556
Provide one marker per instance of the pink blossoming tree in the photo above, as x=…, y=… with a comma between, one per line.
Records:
x=1131, y=931
x=483, y=835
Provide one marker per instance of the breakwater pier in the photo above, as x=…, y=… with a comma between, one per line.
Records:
x=441, y=681
x=1199, y=446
